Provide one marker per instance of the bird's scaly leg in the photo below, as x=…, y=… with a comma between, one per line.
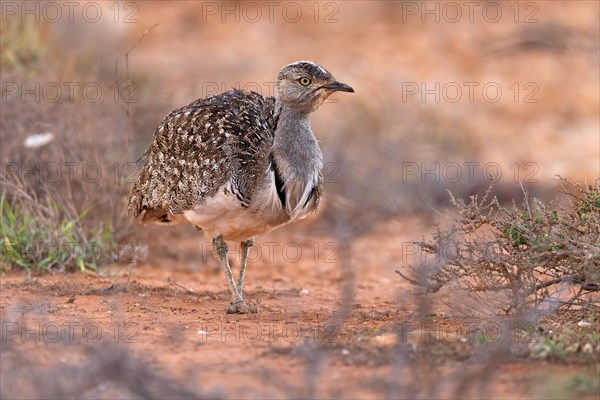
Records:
x=237, y=304
x=245, y=249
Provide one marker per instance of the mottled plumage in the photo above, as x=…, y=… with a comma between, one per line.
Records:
x=237, y=165
x=201, y=146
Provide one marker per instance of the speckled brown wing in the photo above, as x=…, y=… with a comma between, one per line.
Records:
x=201, y=147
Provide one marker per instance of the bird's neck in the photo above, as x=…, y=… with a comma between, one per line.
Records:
x=291, y=120
x=298, y=160
x=295, y=145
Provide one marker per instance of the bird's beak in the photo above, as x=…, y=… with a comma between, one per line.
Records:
x=338, y=86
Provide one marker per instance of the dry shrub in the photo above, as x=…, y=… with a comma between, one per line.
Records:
x=509, y=259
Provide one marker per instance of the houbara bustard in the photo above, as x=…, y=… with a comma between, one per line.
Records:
x=237, y=165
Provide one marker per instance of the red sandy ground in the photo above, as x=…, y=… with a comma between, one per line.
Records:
x=171, y=314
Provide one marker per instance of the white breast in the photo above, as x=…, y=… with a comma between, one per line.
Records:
x=223, y=214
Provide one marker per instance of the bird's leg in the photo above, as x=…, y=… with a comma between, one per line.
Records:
x=237, y=304
x=245, y=249
x=220, y=249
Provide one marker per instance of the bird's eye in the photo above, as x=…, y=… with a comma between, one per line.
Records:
x=304, y=81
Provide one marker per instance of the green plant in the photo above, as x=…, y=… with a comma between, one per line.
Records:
x=550, y=348
x=43, y=235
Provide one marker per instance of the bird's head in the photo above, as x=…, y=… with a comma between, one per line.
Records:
x=303, y=86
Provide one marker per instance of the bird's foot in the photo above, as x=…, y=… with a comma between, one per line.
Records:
x=239, y=307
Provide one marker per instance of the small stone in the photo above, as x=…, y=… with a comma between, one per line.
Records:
x=38, y=139
x=588, y=348
x=304, y=292
x=583, y=324
x=386, y=339
x=574, y=348
x=345, y=352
